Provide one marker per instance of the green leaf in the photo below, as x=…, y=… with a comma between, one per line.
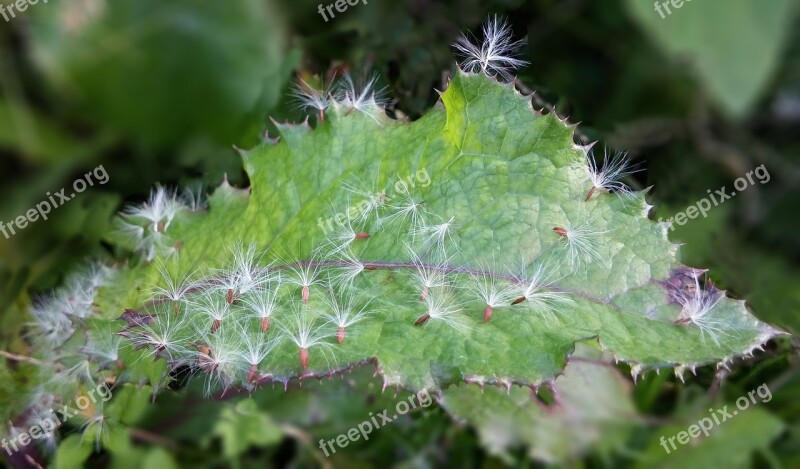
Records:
x=730, y=444
x=718, y=37
x=158, y=458
x=162, y=71
x=72, y=452
x=129, y=404
x=593, y=410
x=38, y=139
x=504, y=191
x=243, y=426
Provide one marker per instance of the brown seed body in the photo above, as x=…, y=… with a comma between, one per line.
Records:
x=590, y=194
x=305, y=294
x=265, y=324
x=215, y=325
x=251, y=375
x=422, y=319
x=304, y=357
x=362, y=235
x=424, y=295
x=230, y=296
x=518, y=301
x=340, y=335
x=561, y=231
x=487, y=313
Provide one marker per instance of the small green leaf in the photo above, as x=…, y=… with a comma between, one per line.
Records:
x=243, y=426
x=734, y=45
x=730, y=444
x=72, y=452
x=593, y=410
x=158, y=458
x=129, y=404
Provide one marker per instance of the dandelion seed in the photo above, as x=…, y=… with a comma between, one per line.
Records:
x=343, y=237
x=93, y=276
x=496, y=53
x=442, y=308
x=406, y=207
x=370, y=202
x=582, y=243
x=427, y=276
x=305, y=332
x=210, y=307
x=365, y=98
x=76, y=300
x=163, y=335
x=537, y=290
x=344, y=312
x=159, y=210
x=175, y=288
x=607, y=177
x=255, y=349
x=263, y=302
x=305, y=275
x=697, y=304
x=194, y=199
x=98, y=423
x=435, y=236
x=347, y=272
x=51, y=324
x=104, y=348
x=80, y=372
x=308, y=97
x=131, y=232
x=221, y=357
x=244, y=273
x=491, y=292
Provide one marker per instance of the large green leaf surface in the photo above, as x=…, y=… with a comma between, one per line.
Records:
x=506, y=176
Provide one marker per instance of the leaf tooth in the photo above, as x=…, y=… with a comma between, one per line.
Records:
x=385, y=383
x=636, y=371
x=507, y=385
x=679, y=370
x=242, y=152
x=270, y=140
x=291, y=133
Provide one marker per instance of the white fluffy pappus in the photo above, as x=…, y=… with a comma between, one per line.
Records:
x=496, y=54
